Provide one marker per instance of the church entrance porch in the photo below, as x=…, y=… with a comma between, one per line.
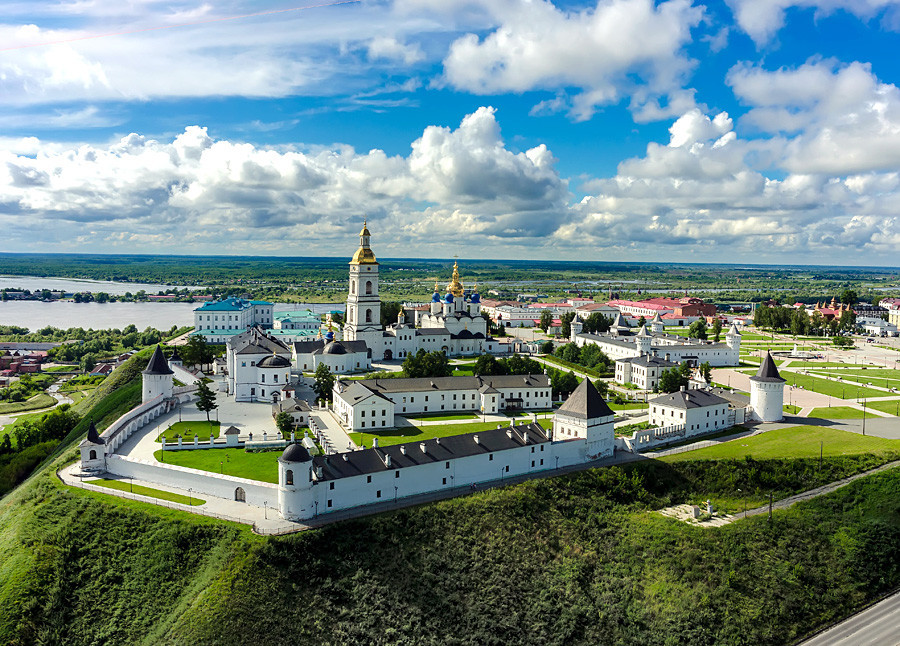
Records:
x=514, y=403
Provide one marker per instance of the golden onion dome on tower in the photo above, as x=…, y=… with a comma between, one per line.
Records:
x=364, y=255
x=455, y=285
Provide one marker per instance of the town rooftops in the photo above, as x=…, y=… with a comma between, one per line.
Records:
x=255, y=341
x=411, y=454
x=767, y=372
x=585, y=403
x=685, y=399
x=428, y=384
x=158, y=364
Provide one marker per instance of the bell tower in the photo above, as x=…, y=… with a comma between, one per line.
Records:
x=363, y=321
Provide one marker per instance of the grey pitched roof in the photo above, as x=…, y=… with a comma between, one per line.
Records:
x=656, y=318
x=354, y=391
x=232, y=430
x=768, y=371
x=427, y=384
x=401, y=456
x=255, y=341
x=291, y=404
x=689, y=399
x=158, y=364
x=432, y=331
x=643, y=331
x=585, y=403
x=648, y=360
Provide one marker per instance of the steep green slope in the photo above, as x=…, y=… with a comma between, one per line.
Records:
x=578, y=559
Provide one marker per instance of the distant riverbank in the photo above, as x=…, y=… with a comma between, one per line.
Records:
x=65, y=314
x=73, y=285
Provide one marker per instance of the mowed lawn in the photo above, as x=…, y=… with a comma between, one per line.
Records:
x=231, y=462
x=187, y=431
x=840, y=412
x=828, y=387
x=125, y=485
x=796, y=442
x=418, y=433
x=891, y=406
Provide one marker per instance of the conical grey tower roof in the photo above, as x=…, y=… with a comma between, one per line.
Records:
x=585, y=403
x=768, y=371
x=93, y=437
x=158, y=364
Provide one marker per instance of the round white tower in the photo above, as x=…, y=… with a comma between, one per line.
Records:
x=767, y=392
x=157, y=378
x=295, y=500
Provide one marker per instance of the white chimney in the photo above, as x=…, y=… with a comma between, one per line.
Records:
x=374, y=442
x=403, y=449
x=387, y=460
x=475, y=437
x=423, y=447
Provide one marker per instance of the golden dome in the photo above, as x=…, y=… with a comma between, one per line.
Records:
x=364, y=255
x=455, y=285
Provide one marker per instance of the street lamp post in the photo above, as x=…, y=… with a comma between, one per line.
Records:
x=265, y=510
x=190, y=500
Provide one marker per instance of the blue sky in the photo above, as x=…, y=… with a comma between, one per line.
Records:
x=745, y=131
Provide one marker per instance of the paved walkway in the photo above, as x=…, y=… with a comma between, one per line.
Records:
x=790, y=501
x=326, y=422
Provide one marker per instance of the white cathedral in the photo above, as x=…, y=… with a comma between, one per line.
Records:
x=259, y=366
x=453, y=324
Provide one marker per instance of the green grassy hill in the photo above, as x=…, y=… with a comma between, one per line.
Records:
x=579, y=559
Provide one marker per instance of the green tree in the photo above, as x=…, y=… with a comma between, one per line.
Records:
x=501, y=331
x=569, y=352
x=593, y=357
x=519, y=365
x=547, y=347
x=596, y=323
x=717, y=329
x=389, y=312
x=849, y=297
x=641, y=322
x=324, y=384
x=602, y=387
x=669, y=380
x=706, y=372
x=487, y=364
x=197, y=352
x=206, y=398
x=88, y=362
x=546, y=320
x=697, y=330
x=284, y=421
x=563, y=383
x=799, y=322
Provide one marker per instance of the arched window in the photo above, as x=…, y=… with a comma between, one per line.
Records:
x=289, y=477
x=368, y=287
x=240, y=495
x=92, y=455
x=368, y=316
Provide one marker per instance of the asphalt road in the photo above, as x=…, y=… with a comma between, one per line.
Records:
x=875, y=626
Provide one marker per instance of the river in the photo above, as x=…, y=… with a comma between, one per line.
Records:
x=72, y=285
x=65, y=314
